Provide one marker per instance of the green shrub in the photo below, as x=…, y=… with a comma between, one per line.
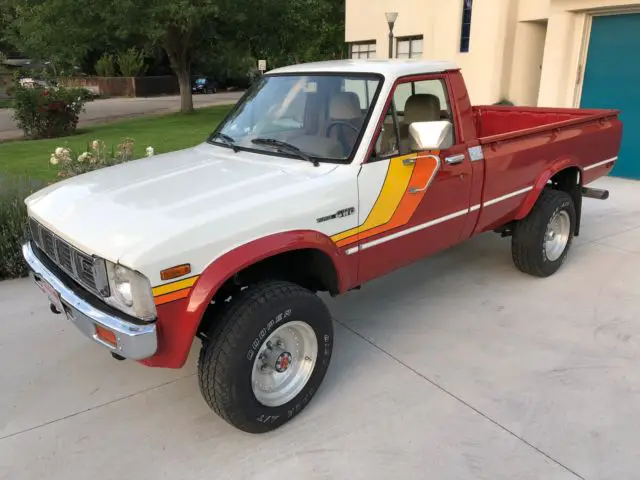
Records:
x=131, y=62
x=505, y=102
x=106, y=66
x=13, y=225
x=47, y=112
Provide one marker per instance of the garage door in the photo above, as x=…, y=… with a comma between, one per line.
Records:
x=612, y=80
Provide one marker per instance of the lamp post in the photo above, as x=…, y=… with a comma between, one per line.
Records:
x=391, y=20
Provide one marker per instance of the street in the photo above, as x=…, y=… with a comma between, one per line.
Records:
x=111, y=109
x=456, y=367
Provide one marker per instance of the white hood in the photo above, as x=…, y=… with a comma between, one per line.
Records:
x=139, y=206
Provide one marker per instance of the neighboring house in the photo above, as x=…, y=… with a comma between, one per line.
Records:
x=562, y=53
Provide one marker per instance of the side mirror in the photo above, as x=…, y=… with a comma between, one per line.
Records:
x=430, y=135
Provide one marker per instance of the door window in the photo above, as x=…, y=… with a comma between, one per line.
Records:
x=421, y=101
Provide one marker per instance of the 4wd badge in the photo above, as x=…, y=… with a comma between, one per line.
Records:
x=345, y=212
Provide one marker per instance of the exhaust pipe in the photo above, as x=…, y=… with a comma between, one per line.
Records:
x=594, y=193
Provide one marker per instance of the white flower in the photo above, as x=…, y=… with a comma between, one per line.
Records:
x=63, y=153
x=150, y=151
x=53, y=160
x=83, y=157
x=95, y=145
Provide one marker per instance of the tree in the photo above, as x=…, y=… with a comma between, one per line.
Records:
x=291, y=31
x=57, y=31
x=183, y=28
x=66, y=32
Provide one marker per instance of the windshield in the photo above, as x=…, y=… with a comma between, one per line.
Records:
x=321, y=115
x=201, y=81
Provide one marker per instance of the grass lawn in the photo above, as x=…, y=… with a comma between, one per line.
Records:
x=5, y=103
x=164, y=133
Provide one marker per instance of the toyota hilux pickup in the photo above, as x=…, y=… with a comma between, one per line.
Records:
x=323, y=177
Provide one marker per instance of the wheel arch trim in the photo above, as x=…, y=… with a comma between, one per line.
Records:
x=543, y=179
x=182, y=330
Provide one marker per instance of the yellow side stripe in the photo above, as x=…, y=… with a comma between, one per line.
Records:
x=174, y=286
x=393, y=189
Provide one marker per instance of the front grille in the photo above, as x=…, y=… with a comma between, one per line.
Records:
x=88, y=271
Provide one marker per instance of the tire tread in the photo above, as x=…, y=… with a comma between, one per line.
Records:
x=524, y=248
x=214, y=359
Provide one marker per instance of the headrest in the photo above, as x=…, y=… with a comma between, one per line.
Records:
x=345, y=106
x=422, y=107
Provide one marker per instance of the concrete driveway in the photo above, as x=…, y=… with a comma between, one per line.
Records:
x=111, y=109
x=458, y=367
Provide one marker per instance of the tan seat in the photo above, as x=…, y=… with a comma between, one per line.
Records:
x=421, y=107
x=344, y=107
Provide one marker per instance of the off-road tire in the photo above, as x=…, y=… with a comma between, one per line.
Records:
x=527, y=244
x=227, y=356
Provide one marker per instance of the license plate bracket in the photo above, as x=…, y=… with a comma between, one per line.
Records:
x=52, y=294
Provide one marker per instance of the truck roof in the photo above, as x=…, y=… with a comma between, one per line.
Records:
x=389, y=68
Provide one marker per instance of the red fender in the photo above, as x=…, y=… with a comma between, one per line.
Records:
x=540, y=183
x=178, y=321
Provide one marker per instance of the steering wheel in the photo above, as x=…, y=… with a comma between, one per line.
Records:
x=335, y=123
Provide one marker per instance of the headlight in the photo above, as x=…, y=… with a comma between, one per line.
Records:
x=130, y=292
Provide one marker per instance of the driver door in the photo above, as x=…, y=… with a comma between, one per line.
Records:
x=412, y=203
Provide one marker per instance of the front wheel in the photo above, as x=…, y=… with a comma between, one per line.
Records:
x=541, y=241
x=266, y=356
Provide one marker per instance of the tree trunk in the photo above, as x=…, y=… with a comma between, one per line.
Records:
x=176, y=47
x=186, y=98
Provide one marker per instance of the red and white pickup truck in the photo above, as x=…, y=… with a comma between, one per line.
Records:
x=323, y=177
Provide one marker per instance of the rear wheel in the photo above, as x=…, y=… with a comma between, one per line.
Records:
x=266, y=356
x=542, y=240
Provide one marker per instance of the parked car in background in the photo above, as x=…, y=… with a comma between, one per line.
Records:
x=204, y=85
x=323, y=178
x=29, y=82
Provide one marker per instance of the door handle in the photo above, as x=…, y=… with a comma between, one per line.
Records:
x=455, y=159
x=419, y=190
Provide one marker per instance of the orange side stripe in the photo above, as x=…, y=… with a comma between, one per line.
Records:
x=425, y=170
x=170, y=297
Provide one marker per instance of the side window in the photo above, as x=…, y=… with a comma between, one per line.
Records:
x=364, y=89
x=387, y=143
x=421, y=101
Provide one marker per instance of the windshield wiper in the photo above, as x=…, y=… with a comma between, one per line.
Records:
x=285, y=147
x=228, y=141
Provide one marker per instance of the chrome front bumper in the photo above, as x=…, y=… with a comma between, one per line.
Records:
x=134, y=341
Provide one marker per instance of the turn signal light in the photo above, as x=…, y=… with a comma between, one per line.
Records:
x=175, y=272
x=106, y=336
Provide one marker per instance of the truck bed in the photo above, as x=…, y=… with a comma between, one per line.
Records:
x=523, y=147
x=498, y=123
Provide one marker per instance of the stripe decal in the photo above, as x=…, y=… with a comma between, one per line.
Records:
x=395, y=205
x=394, y=186
x=435, y=221
x=507, y=196
x=170, y=292
x=411, y=230
x=600, y=164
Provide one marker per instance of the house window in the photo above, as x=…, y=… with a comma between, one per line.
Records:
x=409, y=47
x=362, y=49
x=465, y=33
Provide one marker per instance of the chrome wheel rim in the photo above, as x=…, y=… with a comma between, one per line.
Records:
x=284, y=364
x=557, y=235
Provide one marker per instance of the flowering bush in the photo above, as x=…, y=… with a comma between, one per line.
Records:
x=42, y=111
x=96, y=156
